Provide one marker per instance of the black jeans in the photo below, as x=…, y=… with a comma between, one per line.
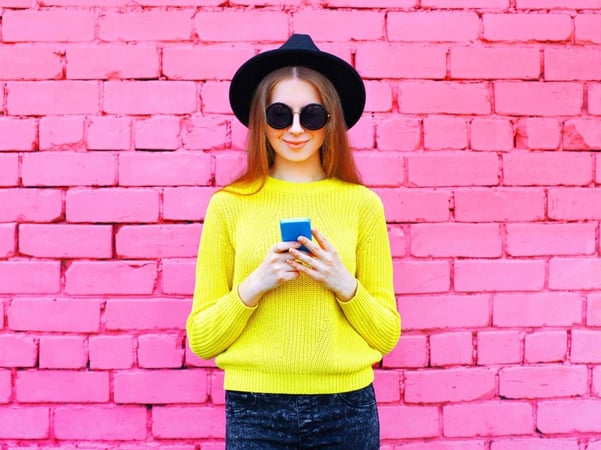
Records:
x=279, y=421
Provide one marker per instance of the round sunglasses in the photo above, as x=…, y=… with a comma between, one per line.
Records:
x=312, y=116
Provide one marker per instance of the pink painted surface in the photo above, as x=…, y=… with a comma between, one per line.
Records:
x=481, y=135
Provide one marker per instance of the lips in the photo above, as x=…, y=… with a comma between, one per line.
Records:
x=295, y=144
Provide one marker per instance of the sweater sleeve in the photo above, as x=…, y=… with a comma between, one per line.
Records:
x=373, y=310
x=218, y=315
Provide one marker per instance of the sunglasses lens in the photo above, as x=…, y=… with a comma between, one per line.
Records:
x=313, y=117
x=279, y=116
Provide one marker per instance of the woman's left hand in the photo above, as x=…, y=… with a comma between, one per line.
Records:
x=324, y=266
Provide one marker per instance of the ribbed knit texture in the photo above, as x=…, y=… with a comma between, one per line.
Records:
x=299, y=339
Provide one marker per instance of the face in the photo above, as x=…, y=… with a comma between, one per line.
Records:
x=295, y=145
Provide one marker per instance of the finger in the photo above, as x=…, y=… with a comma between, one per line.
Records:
x=321, y=239
x=283, y=247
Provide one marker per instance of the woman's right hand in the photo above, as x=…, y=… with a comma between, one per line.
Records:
x=271, y=273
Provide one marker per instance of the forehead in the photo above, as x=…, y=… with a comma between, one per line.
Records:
x=294, y=93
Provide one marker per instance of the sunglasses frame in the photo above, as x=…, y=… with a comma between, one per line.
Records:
x=302, y=122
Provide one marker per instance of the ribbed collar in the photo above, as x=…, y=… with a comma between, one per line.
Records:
x=276, y=185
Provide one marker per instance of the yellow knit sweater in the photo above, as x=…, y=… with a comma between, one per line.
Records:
x=299, y=339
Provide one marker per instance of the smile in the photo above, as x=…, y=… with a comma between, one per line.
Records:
x=294, y=144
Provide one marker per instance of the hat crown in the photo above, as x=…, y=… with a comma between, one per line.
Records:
x=299, y=42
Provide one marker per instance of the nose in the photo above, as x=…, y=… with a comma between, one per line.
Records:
x=296, y=127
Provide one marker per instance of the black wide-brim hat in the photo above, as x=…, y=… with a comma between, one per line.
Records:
x=298, y=50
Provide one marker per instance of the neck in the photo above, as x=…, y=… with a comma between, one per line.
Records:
x=299, y=173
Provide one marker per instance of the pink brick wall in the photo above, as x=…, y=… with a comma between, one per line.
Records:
x=481, y=135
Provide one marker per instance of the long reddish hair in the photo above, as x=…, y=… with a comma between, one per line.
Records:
x=336, y=157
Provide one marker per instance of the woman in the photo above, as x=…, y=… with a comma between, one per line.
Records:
x=296, y=330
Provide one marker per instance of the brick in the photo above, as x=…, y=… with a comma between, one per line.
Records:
x=15, y=277
x=449, y=385
x=499, y=347
x=379, y=99
x=152, y=25
x=593, y=310
x=453, y=168
x=488, y=419
x=40, y=98
x=572, y=64
x=204, y=133
x=443, y=132
x=29, y=63
x=369, y=3
x=165, y=169
x=455, y=239
x=446, y=445
x=543, y=381
x=545, y=346
x=519, y=27
x=387, y=385
x=178, y=276
x=112, y=62
x=398, y=133
x=32, y=26
x=192, y=360
x=161, y=386
x=66, y=241
x=157, y=133
x=160, y=351
x=84, y=3
x=550, y=239
x=443, y=97
x=397, y=239
x=413, y=277
x=17, y=134
x=109, y=133
x=60, y=132
x=499, y=205
x=588, y=28
x=158, y=241
x=491, y=135
x=473, y=275
x=445, y=311
x=149, y=97
x=401, y=61
x=62, y=386
x=594, y=99
x=341, y=25
x=30, y=205
x=461, y=4
x=8, y=239
x=186, y=203
x=595, y=386
x=407, y=422
x=585, y=346
x=9, y=170
x=68, y=169
x=535, y=444
x=188, y=422
x=432, y=26
x=229, y=166
x=230, y=25
x=111, y=352
x=54, y=315
x=112, y=205
x=123, y=423
x=181, y=62
x=538, y=133
x=110, y=277
x=537, y=309
x=409, y=205
x=410, y=352
x=5, y=386
x=381, y=169
x=214, y=95
x=569, y=416
x=155, y=314
x=574, y=203
x=62, y=352
x=559, y=4
x=494, y=63
x=567, y=273
x=24, y=422
x=453, y=348
x=18, y=350
x=536, y=98
x=581, y=134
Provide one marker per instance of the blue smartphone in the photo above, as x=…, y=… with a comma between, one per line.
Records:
x=293, y=228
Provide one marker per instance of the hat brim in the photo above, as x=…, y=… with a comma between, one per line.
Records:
x=344, y=77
